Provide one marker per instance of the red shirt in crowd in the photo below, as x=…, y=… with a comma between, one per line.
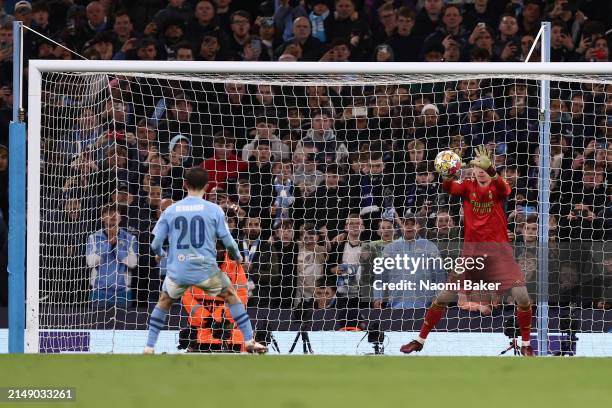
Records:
x=220, y=170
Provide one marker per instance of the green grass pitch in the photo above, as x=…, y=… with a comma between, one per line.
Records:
x=117, y=381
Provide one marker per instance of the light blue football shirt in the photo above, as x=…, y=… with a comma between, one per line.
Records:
x=192, y=227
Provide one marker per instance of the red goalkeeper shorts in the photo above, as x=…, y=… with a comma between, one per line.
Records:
x=496, y=265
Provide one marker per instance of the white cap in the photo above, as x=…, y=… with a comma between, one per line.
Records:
x=430, y=106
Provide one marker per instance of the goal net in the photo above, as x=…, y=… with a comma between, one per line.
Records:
x=322, y=177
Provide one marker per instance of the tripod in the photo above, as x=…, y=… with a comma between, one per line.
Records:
x=306, y=346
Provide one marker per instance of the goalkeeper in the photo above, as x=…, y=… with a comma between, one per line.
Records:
x=486, y=237
x=192, y=227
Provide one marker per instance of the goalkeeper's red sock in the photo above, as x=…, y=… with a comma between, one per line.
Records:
x=432, y=317
x=523, y=316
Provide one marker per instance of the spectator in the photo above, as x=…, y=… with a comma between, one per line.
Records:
x=286, y=250
x=386, y=24
x=302, y=34
x=428, y=19
x=210, y=49
x=310, y=264
x=372, y=192
x=347, y=23
x=111, y=253
x=123, y=29
x=269, y=39
x=224, y=165
x=97, y=21
x=344, y=259
x=265, y=129
x=181, y=118
x=481, y=11
x=322, y=136
x=284, y=194
x=260, y=263
x=451, y=26
x=175, y=10
x=183, y=52
x=259, y=175
x=284, y=16
x=241, y=26
x=561, y=44
x=370, y=251
x=410, y=245
x=507, y=46
x=531, y=16
x=204, y=23
x=405, y=44
x=320, y=12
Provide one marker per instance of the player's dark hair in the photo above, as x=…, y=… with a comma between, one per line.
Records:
x=196, y=178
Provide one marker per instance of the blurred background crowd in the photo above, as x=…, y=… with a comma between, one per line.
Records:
x=316, y=180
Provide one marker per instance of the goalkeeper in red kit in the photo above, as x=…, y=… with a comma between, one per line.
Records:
x=485, y=237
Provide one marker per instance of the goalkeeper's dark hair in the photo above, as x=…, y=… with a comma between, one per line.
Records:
x=196, y=178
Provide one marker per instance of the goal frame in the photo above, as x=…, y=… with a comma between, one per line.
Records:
x=31, y=207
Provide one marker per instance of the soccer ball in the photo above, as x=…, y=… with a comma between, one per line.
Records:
x=447, y=163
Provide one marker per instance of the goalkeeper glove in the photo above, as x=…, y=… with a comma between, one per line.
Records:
x=484, y=161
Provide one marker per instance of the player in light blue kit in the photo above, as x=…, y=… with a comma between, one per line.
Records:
x=192, y=227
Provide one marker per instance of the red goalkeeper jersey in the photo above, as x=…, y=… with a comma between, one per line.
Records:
x=484, y=218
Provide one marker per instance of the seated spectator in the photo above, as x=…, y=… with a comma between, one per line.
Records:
x=111, y=253
x=410, y=245
x=224, y=165
x=172, y=34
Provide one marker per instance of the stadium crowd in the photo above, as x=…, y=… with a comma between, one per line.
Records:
x=316, y=181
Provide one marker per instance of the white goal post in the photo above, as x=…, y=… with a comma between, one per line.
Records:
x=250, y=73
